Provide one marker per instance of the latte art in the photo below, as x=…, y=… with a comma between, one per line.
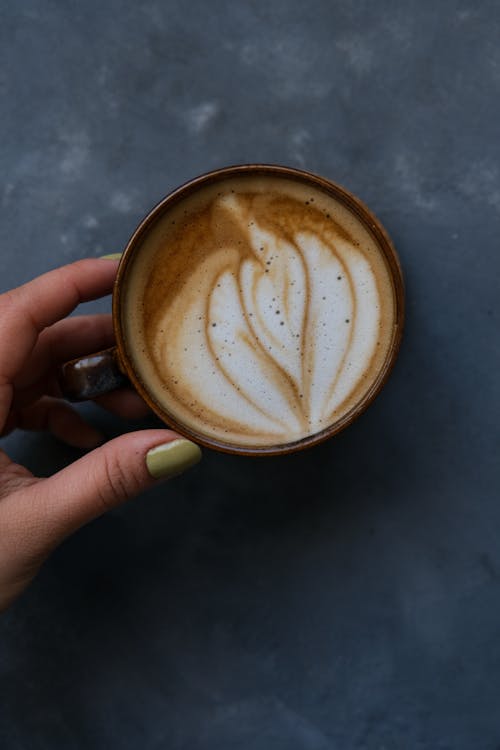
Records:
x=265, y=315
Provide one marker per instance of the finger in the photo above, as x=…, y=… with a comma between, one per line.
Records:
x=13, y=476
x=125, y=402
x=103, y=479
x=65, y=340
x=76, y=337
x=27, y=310
x=58, y=418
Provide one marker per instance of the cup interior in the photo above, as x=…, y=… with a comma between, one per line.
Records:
x=355, y=206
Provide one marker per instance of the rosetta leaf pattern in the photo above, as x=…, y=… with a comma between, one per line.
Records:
x=289, y=332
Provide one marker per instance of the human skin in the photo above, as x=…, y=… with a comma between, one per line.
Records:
x=37, y=514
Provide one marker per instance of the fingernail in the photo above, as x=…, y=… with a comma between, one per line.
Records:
x=111, y=256
x=169, y=460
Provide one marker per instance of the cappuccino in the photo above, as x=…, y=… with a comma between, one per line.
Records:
x=259, y=310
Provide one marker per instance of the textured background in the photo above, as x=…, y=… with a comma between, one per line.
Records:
x=347, y=598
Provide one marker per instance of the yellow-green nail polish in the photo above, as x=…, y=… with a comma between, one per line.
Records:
x=170, y=459
x=111, y=256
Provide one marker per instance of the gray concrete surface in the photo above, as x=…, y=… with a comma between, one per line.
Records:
x=344, y=599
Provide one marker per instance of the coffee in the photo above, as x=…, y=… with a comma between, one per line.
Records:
x=259, y=309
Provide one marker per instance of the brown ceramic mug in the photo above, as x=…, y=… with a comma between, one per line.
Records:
x=304, y=227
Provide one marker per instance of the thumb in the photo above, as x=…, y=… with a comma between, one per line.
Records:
x=105, y=478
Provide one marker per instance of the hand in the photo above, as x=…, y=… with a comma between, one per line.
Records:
x=37, y=514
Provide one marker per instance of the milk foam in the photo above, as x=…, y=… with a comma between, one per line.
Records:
x=275, y=327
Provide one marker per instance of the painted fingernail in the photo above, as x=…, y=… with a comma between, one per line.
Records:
x=170, y=459
x=111, y=256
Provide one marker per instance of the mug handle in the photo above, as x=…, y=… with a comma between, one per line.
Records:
x=91, y=376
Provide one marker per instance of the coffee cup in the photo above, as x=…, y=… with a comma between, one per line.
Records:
x=257, y=309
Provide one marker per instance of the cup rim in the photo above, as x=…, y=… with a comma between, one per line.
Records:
x=370, y=222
